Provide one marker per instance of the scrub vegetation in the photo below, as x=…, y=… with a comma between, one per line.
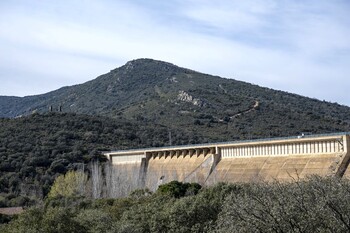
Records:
x=314, y=205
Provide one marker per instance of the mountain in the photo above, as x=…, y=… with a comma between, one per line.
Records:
x=140, y=105
x=150, y=91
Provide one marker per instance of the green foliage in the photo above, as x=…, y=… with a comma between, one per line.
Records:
x=5, y=219
x=140, y=193
x=57, y=220
x=178, y=189
x=51, y=220
x=94, y=220
x=317, y=205
x=314, y=205
x=70, y=184
x=28, y=222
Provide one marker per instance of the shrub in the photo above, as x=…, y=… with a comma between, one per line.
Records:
x=178, y=189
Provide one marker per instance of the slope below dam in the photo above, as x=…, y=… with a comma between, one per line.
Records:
x=279, y=159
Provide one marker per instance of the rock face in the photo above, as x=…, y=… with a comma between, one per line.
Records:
x=185, y=97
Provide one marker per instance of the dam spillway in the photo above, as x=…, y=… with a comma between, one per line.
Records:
x=276, y=159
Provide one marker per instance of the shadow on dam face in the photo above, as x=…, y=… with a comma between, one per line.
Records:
x=283, y=159
x=185, y=168
x=120, y=179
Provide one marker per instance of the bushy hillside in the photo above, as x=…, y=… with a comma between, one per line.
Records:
x=37, y=148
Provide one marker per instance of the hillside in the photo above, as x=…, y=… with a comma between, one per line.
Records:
x=152, y=91
x=34, y=150
x=137, y=105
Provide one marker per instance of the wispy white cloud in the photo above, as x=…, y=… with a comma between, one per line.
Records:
x=295, y=46
x=234, y=16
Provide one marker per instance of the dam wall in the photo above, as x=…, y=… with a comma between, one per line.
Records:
x=345, y=166
x=280, y=159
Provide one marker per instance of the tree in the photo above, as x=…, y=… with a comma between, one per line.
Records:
x=69, y=185
x=178, y=189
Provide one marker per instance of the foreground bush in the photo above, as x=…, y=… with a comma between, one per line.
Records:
x=178, y=189
x=315, y=205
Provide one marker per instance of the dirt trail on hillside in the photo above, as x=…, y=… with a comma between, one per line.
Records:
x=256, y=104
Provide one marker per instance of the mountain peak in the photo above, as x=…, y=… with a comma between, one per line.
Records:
x=148, y=61
x=142, y=64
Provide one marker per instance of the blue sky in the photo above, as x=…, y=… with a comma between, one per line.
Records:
x=296, y=46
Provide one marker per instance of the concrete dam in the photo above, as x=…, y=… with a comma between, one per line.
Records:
x=276, y=159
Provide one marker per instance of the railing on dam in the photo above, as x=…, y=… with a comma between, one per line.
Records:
x=290, y=148
x=305, y=145
x=219, y=144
